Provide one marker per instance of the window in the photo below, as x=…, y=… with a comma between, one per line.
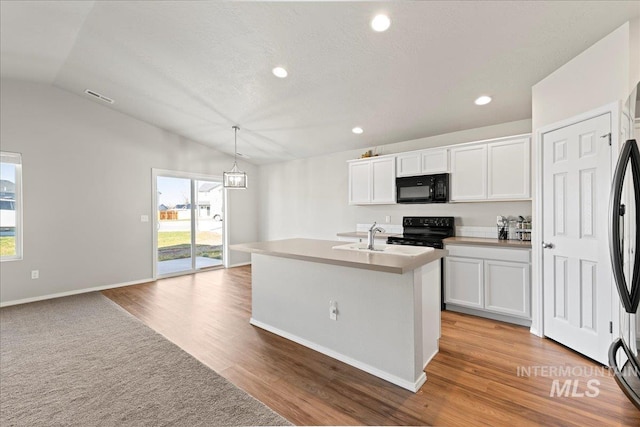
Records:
x=10, y=206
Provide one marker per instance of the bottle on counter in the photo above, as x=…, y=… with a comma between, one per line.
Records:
x=502, y=225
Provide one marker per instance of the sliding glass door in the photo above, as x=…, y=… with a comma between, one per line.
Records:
x=189, y=223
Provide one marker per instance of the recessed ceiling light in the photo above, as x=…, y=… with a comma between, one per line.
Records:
x=280, y=72
x=357, y=130
x=483, y=100
x=380, y=23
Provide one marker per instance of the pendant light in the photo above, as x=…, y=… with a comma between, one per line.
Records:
x=235, y=178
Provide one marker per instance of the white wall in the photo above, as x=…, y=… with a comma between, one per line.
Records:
x=308, y=197
x=86, y=181
x=606, y=72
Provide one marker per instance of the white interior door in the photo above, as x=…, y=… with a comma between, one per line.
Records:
x=576, y=265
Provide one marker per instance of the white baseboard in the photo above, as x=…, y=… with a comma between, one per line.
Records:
x=535, y=331
x=430, y=358
x=74, y=292
x=494, y=316
x=240, y=264
x=411, y=386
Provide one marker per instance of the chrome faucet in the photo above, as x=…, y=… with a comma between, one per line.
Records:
x=371, y=235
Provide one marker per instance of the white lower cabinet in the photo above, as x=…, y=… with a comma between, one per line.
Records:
x=489, y=280
x=463, y=285
x=507, y=287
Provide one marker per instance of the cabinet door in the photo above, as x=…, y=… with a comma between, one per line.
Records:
x=359, y=182
x=507, y=288
x=469, y=173
x=435, y=161
x=383, y=180
x=408, y=164
x=509, y=169
x=463, y=282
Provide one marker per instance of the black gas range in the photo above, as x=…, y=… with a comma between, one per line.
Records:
x=424, y=231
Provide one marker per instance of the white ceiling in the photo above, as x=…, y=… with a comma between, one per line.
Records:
x=197, y=68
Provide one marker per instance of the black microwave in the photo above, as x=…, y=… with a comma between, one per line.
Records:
x=423, y=189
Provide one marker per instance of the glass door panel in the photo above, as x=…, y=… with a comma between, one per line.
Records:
x=174, y=225
x=208, y=223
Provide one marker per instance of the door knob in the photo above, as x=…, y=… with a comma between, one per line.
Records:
x=547, y=245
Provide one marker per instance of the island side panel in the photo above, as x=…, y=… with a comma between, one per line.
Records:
x=427, y=301
x=375, y=326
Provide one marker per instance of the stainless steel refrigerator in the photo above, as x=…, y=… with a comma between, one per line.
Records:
x=624, y=248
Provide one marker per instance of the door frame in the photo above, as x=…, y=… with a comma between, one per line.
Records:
x=537, y=288
x=154, y=214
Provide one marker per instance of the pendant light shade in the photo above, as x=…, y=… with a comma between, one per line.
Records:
x=235, y=178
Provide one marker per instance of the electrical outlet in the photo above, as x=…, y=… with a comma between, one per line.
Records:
x=333, y=310
x=35, y=274
x=144, y=218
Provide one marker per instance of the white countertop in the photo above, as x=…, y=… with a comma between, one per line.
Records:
x=321, y=251
x=364, y=234
x=481, y=241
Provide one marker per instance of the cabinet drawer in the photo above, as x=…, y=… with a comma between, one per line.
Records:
x=487, y=252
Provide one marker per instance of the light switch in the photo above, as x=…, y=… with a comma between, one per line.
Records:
x=144, y=218
x=333, y=310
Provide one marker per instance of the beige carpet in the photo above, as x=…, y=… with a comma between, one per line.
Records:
x=84, y=361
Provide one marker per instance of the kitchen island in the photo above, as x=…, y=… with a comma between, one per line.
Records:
x=379, y=312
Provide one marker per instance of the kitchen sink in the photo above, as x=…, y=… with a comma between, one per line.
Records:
x=386, y=249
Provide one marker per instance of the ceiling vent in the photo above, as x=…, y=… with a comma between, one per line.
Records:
x=100, y=97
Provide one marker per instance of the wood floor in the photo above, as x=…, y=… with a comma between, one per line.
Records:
x=474, y=379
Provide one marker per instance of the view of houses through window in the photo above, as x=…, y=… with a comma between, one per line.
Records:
x=189, y=224
x=10, y=203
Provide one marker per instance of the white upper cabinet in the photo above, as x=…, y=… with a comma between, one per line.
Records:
x=468, y=178
x=423, y=162
x=499, y=170
x=359, y=182
x=372, y=181
x=509, y=168
x=383, y=180
x=409, y=164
